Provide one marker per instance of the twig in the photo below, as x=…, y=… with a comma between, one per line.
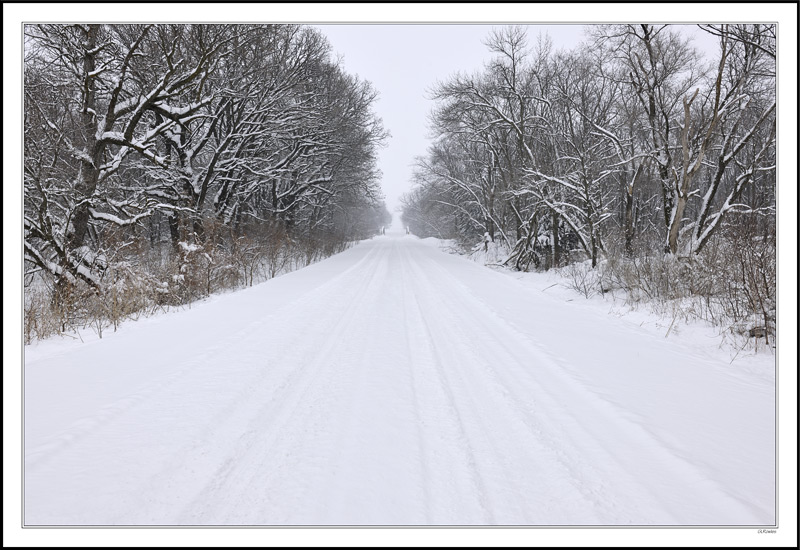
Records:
x=737, y=351
x=670, y=325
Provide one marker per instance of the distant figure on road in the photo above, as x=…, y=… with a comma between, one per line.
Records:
x=408, y=231
x=486, y=240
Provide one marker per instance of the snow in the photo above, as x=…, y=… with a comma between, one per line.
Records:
x=113, y=137
x=188, y=247
x=395, y=384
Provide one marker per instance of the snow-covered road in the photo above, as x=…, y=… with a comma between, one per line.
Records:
x=392, y=384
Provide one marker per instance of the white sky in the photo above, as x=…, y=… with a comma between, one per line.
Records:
x=403, y=61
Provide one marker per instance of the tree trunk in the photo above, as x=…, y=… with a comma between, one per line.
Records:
x=174, y=230
x=629, y=223
x=680, y=206
x=89, y=173
x=556, y=243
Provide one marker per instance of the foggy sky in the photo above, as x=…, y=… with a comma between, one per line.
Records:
x=403, y=62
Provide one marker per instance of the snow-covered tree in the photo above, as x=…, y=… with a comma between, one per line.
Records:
x=218, y=130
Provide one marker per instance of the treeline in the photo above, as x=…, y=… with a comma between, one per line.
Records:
x=163, y=162
x=633, y=153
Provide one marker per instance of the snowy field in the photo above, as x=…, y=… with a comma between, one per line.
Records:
x=395, y=384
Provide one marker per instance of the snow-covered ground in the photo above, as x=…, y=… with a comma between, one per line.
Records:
x=395, y=384
x=747, y=356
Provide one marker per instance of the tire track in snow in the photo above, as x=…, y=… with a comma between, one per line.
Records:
x=463, y=420
x=274, y=428
x=663, y=469
x=424, y=457
x=504, y=351
x=492, y=455
x=167, y=487
x=352, y=487
x=380, y=433
x=41, y=454
x=475, y=488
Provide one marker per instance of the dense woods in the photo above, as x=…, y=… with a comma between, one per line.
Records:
x=631, y=162
x=164, y=162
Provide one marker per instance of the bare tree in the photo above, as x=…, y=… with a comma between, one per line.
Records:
x=215, y=129
x=104, y=114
